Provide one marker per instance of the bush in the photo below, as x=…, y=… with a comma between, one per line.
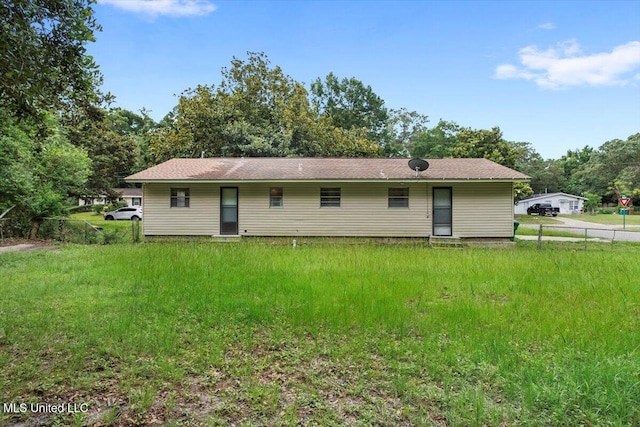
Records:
x=98, y=209
x=116, y=205
x=78, y=209
x=605, y=211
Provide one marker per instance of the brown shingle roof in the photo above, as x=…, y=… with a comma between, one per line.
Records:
x=129, y=192
x=272, y=169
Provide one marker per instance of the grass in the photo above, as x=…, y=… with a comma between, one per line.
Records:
x=107, y=226
x=530, y=231
x=255, y=334
x=536, y=219
x=79, y=230
x=613, y=219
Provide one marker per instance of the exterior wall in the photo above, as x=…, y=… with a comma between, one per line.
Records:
x=363, y=211
x=479, y=210
x=199, y=219
x=483, y=209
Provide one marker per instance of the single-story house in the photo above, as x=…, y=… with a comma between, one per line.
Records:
x=568, y=203
x=133, y=197
x=466, y=198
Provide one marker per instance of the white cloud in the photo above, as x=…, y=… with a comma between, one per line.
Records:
x=565, y=65
x=547, y=26
x=164, y=7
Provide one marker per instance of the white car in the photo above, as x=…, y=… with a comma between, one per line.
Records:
x=130, y=212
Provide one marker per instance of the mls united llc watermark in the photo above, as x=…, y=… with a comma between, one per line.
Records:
x=44, y=408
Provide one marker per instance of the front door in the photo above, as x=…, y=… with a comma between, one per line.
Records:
x=442, y=212
x=229, y=210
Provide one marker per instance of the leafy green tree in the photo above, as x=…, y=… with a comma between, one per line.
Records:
x=613, y=168
x=521, y=190
x=592, y=202
x=437, y=142
x=548, y=178
x=487, y=144
x=43, y=60
x=403, y=128
x=16, y=160
x=193, y=127
x=255, y=111
x=351, y=105
x=572, y=163
x=113, y=154
x=138, y=128
x=38, y=171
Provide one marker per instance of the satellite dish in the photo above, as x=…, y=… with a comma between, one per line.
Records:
x=418, y=165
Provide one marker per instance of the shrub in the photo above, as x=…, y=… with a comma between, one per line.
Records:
x=98, y=209
x=116, y=205
x=605, y=211
x=78, y=209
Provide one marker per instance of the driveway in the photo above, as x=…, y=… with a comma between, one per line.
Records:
x=602, y=231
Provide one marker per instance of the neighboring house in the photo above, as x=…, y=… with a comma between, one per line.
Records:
x=467, y=198
x=568, y=203
x=133, y=197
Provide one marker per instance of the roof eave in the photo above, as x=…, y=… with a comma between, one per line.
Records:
x=377, y=180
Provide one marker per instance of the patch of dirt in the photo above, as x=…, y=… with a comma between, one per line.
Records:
x=24, y=245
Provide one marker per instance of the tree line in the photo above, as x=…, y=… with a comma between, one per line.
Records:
x=61, y=140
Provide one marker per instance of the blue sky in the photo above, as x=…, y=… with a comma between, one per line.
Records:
x=560, y=75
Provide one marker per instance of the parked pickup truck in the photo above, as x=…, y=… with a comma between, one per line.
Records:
x=543, y=209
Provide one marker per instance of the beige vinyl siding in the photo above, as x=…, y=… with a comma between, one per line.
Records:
x=483, y=209
x=363, y=211
x=479, y=210
x=200, y=218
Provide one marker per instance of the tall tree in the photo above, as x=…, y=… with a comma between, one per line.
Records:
x=137, y=128
x=256, y=110
x=403, y=128
x=113, y=153
x=487, y=144
x=46, y=78
x=39, y=170
x=572, y=162
x=437, y=142
x=614, y=169
x=43, y=60
x=351, y=105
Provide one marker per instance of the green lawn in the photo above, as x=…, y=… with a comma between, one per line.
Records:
x=79, y=229
x=255, y=334
x=607, y=219
x=98, y=220
x=528, y=231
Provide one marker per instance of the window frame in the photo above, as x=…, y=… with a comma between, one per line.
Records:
x=328, y=200
x=276, y=200
x=176, y=197
x=396, y=198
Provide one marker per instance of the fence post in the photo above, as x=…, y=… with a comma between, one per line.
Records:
x=540, y=237
x=135, y=231
x=585, y=238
